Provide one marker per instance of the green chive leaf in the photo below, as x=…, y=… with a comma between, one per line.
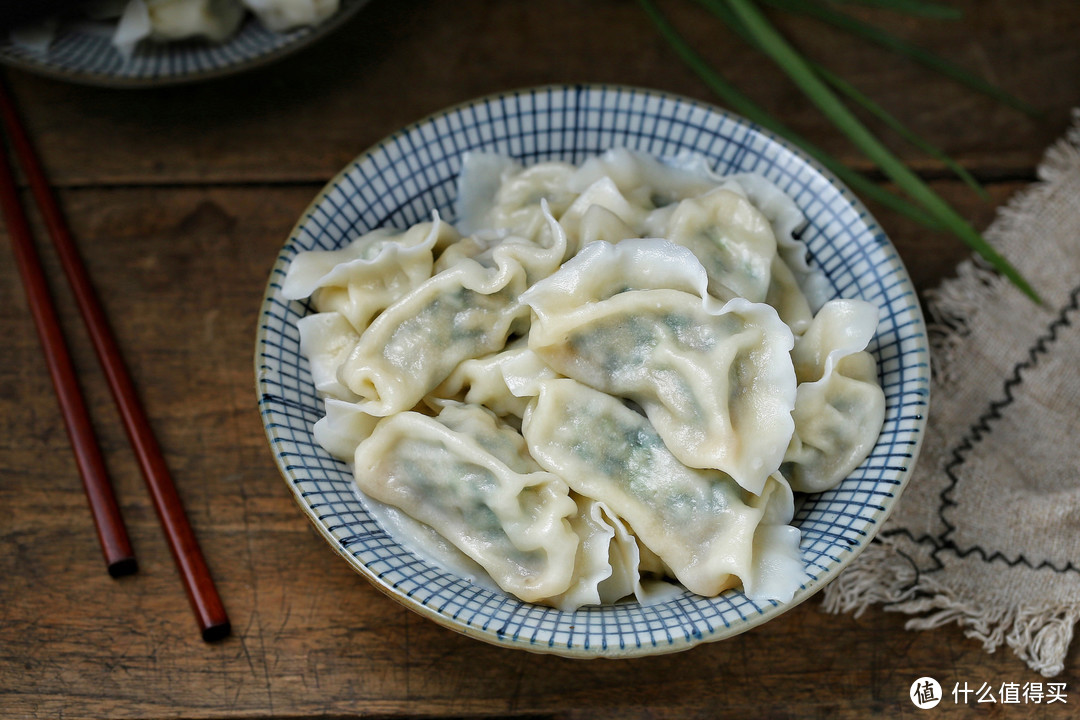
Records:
x=724, y=13
x=891, y=121
x=899, y=45
x=777, y=48
x=746, y=107
x=918, y=8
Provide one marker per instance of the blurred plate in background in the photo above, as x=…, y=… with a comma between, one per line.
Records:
x=84, y=53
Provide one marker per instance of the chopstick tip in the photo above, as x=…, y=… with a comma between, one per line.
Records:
x=218, y=631
x=123, y=566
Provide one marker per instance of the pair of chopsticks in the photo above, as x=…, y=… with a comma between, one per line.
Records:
x=112, y=534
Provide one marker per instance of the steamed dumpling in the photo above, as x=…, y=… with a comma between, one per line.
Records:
x=839, y=406
x=480, y=491
x=213, y=20
x=700, y=523
x=281, y=15
x=716, y=381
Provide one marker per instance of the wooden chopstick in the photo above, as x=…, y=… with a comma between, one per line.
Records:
x=111, y=532
x=198, y=583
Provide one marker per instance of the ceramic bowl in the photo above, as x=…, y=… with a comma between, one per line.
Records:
x=84, y=53
x=397, y=182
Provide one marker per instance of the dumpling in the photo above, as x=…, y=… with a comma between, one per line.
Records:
x=499, y=193
x=326, y=339
x=700, y=523
x=609, y=562
x=601, y=195
x=787, y=221
x=487, y=381
x=787, y=297
x=538, y=257
x=592, y=565
x=716, y=382
x=599, y=224
x=608, y=556
x=842, y=327
x=363, y=278
x=731, y=238
x=466, y=311
x=645, y=180
x=515, y=524
x=601, y=270
x=496, y=437
x=839, y=406
x=344, y=426
x=282, y=15
x=479, y=179
x=214, y=20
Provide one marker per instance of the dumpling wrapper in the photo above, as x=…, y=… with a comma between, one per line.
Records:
x=839, y=407
x=467, y=311
x=497, y=192
x=700, y=523
x=732, y=239
x=369, y=274
x=716, y=381
x=214, y=20
x=282, y=15
x=514, y=524
x=488, y=381
x=326, y=339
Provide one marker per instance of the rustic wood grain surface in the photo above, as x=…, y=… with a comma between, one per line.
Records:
x=180, y=199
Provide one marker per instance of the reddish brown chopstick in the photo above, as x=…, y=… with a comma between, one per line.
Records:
x=112, y=535
x=201, y=592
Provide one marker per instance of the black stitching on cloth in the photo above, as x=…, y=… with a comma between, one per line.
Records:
x=978, y=431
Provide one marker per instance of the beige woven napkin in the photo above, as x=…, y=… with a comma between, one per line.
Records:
x=987, y=533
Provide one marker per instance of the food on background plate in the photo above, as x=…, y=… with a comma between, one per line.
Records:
x=130, y=22
x=599, y=381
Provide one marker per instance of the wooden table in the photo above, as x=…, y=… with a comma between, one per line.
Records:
x=180, y=199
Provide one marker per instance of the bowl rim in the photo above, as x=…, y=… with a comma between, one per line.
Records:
x=770, y=609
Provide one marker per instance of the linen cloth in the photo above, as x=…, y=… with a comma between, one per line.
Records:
x=987, y=533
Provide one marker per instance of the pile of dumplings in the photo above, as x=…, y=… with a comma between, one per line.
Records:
x=600, y=381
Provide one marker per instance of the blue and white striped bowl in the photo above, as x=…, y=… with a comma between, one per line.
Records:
x=85, y=53
x=398, y=182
